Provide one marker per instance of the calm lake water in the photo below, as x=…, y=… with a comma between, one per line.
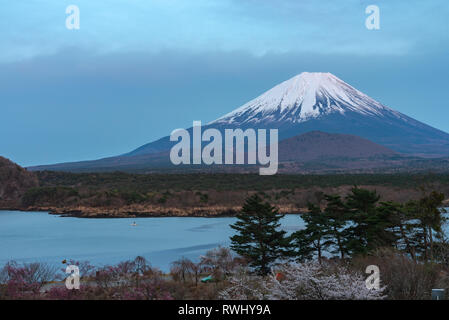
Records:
x=39, y=236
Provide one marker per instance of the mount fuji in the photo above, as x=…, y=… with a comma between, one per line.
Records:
x=305, y=97
x=310, y=102
x=321, y=101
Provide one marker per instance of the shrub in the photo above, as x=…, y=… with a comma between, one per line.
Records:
x=403, y=277
x=24, y=281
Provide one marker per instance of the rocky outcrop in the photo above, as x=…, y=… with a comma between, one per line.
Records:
x=14, y=182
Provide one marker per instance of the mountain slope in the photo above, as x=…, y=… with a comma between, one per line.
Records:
x=304, y=103
x=303, y=148
x=14, y=182
x=321, y=101
x=316, y=145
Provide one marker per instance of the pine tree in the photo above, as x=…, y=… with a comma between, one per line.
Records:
x=428, y=222
x=337, y=214
x=315, y=238
x=387, y=227
x=362, y=213
x=258, y=237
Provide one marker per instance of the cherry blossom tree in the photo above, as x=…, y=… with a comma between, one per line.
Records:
x=302, y=281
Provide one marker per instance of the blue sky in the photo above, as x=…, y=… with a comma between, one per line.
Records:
x=138, y=69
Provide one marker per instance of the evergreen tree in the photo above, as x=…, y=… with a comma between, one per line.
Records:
x=258, y=237
x=427, y=222
x=337, y=215
x=314, y=239
x=389, y=227
x=360, y=225
x=362, y=233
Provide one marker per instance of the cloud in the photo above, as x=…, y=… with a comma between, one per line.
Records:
x=34, y=28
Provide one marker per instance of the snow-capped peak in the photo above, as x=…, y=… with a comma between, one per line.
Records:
x=305, y=96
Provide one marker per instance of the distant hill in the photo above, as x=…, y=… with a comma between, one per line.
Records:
x=14, y=182
x=319, y=150
x=317, y=145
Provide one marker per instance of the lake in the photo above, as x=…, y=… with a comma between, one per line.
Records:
x=39, y=236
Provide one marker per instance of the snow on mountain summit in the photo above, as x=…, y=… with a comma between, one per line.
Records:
x=303, y=97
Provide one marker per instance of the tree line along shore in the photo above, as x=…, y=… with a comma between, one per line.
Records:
x=118, y=194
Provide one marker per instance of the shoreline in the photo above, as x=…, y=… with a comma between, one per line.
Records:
x=134, y=211
x=144, y=212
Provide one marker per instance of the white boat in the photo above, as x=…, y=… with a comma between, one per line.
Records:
x=133, y=224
